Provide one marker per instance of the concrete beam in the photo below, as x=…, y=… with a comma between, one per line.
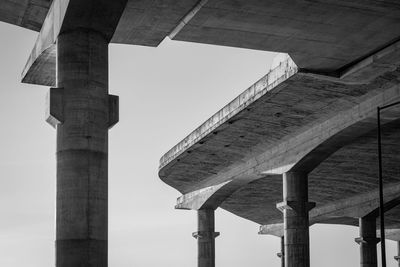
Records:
x=211, y=197
x=354, y=207
x=28, y=14
x=235, y=121
x=40, y=68
x=308, y=149
x=372, y=65
x=189, y=16
x=196, y=200
x=275, y=77
x=65, y=16
x=357, y=206
x=390, y=234
x=275, y=229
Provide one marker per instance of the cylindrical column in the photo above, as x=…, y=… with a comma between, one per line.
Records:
x=281, y=254
x=397, y=258
x=82, y=150
x=205, y=238
x=367, y=242
x=295, y=209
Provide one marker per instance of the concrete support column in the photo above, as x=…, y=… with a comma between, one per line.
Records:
x=367, y=242
x=281, y=254
x=82, y=149
x=205, y=238
x=397, y=258
x=295, y=207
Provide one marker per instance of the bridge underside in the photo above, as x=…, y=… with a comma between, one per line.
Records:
x=312, y=117
x=291, y=120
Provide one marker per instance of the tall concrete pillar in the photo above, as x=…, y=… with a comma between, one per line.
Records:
x=397, y=258
x=281, y=254
x=84, y=111
x=295, y=208
x=368, y=241
x=205, y=238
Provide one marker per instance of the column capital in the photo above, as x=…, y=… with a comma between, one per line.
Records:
x=113, y=110
x=205, y=234
x=55, y=106
x=295, y=205
x=367, y=240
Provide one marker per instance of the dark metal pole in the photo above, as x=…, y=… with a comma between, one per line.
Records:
x=381, y=208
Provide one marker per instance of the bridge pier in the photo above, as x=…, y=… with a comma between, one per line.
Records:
x=281, y=254
x=368, y=241
x=205, y=236
x=295, y=208
x=397, y=258
x=80, y=110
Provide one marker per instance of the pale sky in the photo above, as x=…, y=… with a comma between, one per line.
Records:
x=165, y=93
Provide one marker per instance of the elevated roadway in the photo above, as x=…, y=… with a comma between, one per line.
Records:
x=303, y=136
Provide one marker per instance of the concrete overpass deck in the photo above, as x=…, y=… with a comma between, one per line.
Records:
x=292, y=120
x=310, y=120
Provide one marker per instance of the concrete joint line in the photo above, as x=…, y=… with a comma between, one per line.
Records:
x=367, y=240
x=297, y=206
x=205, y=235
x=187, y=18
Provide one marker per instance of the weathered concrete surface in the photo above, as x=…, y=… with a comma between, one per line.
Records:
x=141, y=23
x=319, y=35
x=368, y=241
x=41, y=65
x=138, y=22
x=82, y=111
x=281, y=254
x=205, y=236
x=397, y=257
x=298, y=121
x=82, y=150
x=65, y=16
x=323, y=36
x=29, y=14
x=295, y=208
x=149, y=22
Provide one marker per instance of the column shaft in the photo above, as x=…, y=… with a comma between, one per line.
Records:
x=295, y=214
x=397, y=257
x=206, y=238
x=82, y=150
x=283, y=251
x=368, y=241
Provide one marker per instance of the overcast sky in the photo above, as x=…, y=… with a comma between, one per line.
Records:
x=165, y=93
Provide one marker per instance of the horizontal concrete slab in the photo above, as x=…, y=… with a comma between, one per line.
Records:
x=322, y=36
x=296, y=120
x=29, y=14
x=142, y=22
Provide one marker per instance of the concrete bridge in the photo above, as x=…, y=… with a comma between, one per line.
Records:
x=290, y=138
x=300, y=141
